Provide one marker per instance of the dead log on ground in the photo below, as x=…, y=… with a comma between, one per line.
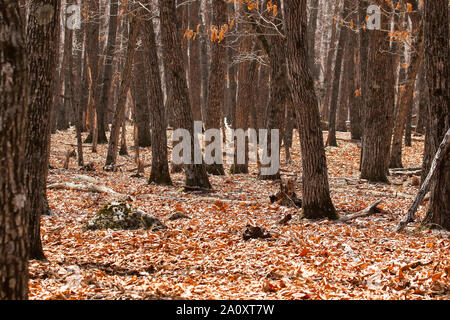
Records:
x=369, y=211
x=410, y=217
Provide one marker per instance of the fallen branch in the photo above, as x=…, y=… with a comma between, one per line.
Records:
x=83, y=187
x=370, y=210
x=410, y=217
x=406, y=169
x=199, y=189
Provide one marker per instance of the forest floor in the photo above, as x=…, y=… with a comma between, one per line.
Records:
x=205, y=257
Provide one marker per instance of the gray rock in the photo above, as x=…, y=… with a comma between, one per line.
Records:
x=120, y=215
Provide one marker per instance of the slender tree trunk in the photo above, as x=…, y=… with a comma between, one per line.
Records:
x=436, y=35
x=195, y=86
x=217, y=84
x=278, y=89
x=354, y=75
x=142, y=110
x=92, y=54
x=160, y=166
x=246, y=76
x=380, y=98
x=102, y=106
x=406, y=95
x=119, y=113
x=312, y=27
x=329, y=64
x=336, y=80
x=363, y=66
x=344, y=87
x=196, y=174
x=64, y=75
x=14, y=90
x=316, y=192
x=204, y=66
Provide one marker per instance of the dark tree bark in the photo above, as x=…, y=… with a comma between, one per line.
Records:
x=422, y=112
x=214, y=108
x=278, y=86
x=436, y=35
x=14, y=94
x=316, y=192
x=246, y=76
x=142, y=110
x=363, y=46
x=196, y=174
x=102, y=106
x=42, y=47
x=195, y=86
x=408, y=126
x=119, y=113
x=344, y=86
x=380, y=98
x=160, y=166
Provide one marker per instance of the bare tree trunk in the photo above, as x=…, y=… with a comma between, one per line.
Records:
x=217, y=84
x=312, y=27
x=336, y=80
x=406, y=96
x=14, y=244
x=246, y=76
x=92, y=53
x=329, y=64
x=160, y=166
x=195, y=86
x=436, y=35
x=316, y=192
x=380, y=98
x=119, y=114
x=102, y=106
x=355, y=78
x=363, y=66
x=142, y=110
x=42, y=49
x=196, y=175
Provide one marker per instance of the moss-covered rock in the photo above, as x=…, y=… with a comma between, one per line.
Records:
x=121, y=215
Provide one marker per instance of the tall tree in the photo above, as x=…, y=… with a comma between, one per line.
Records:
x=214, y=108
x=140, y=97
x=246, y=77
x=436, y=35
x=14, y=94
x=316, y=192
x=119, y=113
x=196, y=174
x=380, y=98
x=92, y=58
x=102, y=105
x=42, y=47
x=278, y=86
x=406, y=95
x=312, y=27
x=160, y=166
x=337, y=78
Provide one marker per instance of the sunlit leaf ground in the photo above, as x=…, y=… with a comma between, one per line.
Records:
x=206, y=257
